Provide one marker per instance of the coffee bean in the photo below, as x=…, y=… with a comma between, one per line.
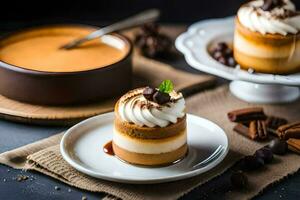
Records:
x=265, y=153
x=148, y=93
x=161, y=97
x=239, y=180
x=250, y=163
x=278, y=146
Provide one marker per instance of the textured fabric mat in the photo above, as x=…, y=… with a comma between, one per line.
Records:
x=44, y=155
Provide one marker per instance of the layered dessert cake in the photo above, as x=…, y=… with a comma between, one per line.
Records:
x=150, y=126
x=267, y=37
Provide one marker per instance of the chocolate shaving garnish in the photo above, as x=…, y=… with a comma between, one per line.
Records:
x=148, y=93
x=258, y=130
x=271, y=4
x=287, y=14
x=273, y=122
x=131, y=94
x=247, y=114
x=287, y=131
x=161, y=97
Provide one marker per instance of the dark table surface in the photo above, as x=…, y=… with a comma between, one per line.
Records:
x=38, y=186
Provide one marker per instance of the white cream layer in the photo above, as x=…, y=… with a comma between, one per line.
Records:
x=134, y=108
x=149, y=146
x=253, y=17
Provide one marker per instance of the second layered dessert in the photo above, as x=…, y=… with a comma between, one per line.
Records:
x=267, y=37
x=150, y=127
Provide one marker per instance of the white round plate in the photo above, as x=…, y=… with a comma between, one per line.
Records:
x=82, y=147
x=194, y=44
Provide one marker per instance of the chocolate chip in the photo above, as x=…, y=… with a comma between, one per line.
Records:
x=148, y=93
x=222, y=46
x=278, y=146
x=239, y=180
x=217, y=54
x=228, y=52
x=152, y=43
x=150, y=28
x=140, y=40
x=231, y=62
x=223, y=54
x=250, y=163
x=265, y=153
x=161, y=97
x=222, y=60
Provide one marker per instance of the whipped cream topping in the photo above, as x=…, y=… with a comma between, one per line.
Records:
x=280, y=20
x=135, y=108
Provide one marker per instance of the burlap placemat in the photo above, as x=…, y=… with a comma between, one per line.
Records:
x=44, y=156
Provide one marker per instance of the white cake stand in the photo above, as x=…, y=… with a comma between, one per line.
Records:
x=250, y=87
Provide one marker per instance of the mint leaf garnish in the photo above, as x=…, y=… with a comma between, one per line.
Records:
x=166, y=86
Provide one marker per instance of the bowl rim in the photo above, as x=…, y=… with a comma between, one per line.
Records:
x=24, y=70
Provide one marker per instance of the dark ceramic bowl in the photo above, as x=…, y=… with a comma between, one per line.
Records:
x=67, y=88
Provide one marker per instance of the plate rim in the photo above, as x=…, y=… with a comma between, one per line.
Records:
x=102, y=176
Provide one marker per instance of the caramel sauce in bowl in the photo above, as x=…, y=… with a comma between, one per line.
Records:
x=34, y=69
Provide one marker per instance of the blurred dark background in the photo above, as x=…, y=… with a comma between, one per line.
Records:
x=22, y=13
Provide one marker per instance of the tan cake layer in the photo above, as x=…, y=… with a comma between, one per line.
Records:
x=150, y=159
x=148, y=132
x=265, y=65
x=152, y=140
x=268, y=53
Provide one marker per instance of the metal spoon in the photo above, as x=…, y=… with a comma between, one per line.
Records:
x=141, y=18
